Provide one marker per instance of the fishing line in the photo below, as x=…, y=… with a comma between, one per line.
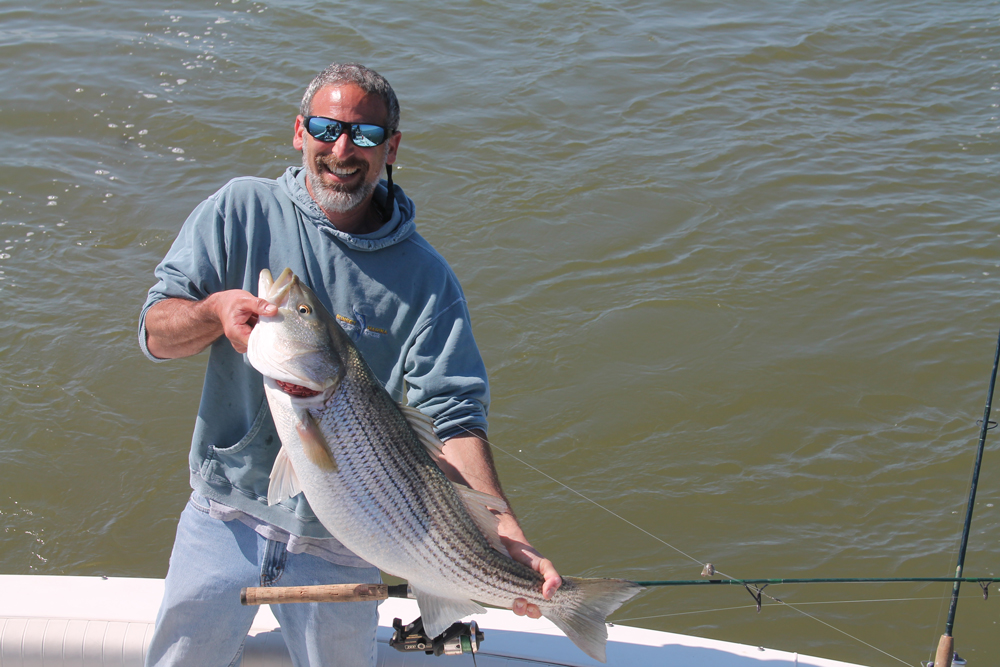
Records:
x=793, y=607
x=686, y=555
x=843, y=632
x=594, y=502
x=683, y=613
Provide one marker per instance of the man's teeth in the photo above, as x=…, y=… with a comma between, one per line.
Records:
x=342, y=172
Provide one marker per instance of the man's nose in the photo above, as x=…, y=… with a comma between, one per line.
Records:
x=343, y=146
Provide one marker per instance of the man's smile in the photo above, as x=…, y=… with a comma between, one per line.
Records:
x=340, y=173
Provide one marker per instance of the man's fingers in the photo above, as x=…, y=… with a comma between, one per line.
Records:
x=551, y=584
x=238, y=335
x=239, y=311
x=552, y=579
x=524, y=608
x=530, y=557
x=266, y=308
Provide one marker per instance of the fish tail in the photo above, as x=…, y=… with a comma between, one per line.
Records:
x=588, y=602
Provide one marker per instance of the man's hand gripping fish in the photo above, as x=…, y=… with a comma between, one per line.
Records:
x=367, y=467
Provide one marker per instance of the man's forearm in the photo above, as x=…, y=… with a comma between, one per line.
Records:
x=180, y=328
x=469, y=460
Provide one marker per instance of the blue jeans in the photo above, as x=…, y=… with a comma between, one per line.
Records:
x=202, y=623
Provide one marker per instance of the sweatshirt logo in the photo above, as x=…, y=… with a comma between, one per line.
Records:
x=358, y=327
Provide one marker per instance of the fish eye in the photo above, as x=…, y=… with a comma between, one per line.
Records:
x=304, y=309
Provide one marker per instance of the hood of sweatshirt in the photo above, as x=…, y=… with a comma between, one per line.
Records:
x=399, y=227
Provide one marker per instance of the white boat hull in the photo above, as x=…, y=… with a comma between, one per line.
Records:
x=53, y=621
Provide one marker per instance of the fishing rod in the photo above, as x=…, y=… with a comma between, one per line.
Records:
x=946, y=645
x=844, y=580
x=755, y=587
x=462, y=638
x=457, y=639
x=364, y=592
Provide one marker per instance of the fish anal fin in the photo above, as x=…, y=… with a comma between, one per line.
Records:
x=588, y=603
x=313, y=443
x=423, y=426
x=439, y=613
x=479, y=505
x=284, y=483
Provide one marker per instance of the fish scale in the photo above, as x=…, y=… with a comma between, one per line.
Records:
x=370, y=476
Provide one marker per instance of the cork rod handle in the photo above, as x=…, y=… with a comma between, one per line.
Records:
x=324, y=593
x=945, y=650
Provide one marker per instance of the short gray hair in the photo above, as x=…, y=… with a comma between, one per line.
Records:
x=364, y=78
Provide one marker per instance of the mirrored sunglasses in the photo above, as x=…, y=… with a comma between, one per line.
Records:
x=360, y=134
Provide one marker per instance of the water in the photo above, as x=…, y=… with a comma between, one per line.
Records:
x=733, y=268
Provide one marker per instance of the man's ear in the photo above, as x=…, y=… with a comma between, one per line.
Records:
x=392, y=147
x=297, y=139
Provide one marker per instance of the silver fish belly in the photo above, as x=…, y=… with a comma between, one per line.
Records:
x=367, y=467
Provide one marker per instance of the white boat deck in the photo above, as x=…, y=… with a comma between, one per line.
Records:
x=53, y=621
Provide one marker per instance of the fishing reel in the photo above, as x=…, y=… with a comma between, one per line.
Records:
x=458, y=639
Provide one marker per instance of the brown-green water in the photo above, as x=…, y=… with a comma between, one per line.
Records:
x=733, y=268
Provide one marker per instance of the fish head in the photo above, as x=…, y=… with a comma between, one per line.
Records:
x=294, y=348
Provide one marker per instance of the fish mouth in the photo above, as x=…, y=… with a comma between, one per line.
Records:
x=295, y=368
x=296, y=390
x=276, y=291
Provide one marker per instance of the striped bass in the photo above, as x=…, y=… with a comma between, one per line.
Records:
x=367, y=466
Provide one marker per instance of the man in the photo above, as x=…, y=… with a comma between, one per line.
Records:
x=352, y=238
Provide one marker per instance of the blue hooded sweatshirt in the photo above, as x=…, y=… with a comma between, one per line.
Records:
x=390, y=290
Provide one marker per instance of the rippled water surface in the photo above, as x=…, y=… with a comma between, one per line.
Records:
x=733, y=268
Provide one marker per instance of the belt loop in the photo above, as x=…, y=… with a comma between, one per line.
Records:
x=272, y=565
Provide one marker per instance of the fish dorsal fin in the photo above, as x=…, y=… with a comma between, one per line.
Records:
x=479, y=505
x=423, y=426
x=439, y=613
x=284, y=482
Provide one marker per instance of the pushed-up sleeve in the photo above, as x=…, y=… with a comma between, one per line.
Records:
x=446, y=376
x=194, y=267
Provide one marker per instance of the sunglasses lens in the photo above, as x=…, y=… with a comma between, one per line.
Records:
x=367, y=135
x=328, y=129
x=324, y=129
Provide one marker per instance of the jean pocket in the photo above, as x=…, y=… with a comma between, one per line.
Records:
x=246, y=464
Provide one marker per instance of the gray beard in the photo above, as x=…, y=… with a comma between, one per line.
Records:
x=332, y=200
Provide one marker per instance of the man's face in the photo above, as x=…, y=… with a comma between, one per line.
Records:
x=339, y=175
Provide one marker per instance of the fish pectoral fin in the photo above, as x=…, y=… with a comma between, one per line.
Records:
x=479, y=505
x=284, y=482
x=423, y=426
x=439, y=613
x=313, y=443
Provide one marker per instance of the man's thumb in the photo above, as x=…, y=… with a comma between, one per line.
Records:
x=266, y=308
